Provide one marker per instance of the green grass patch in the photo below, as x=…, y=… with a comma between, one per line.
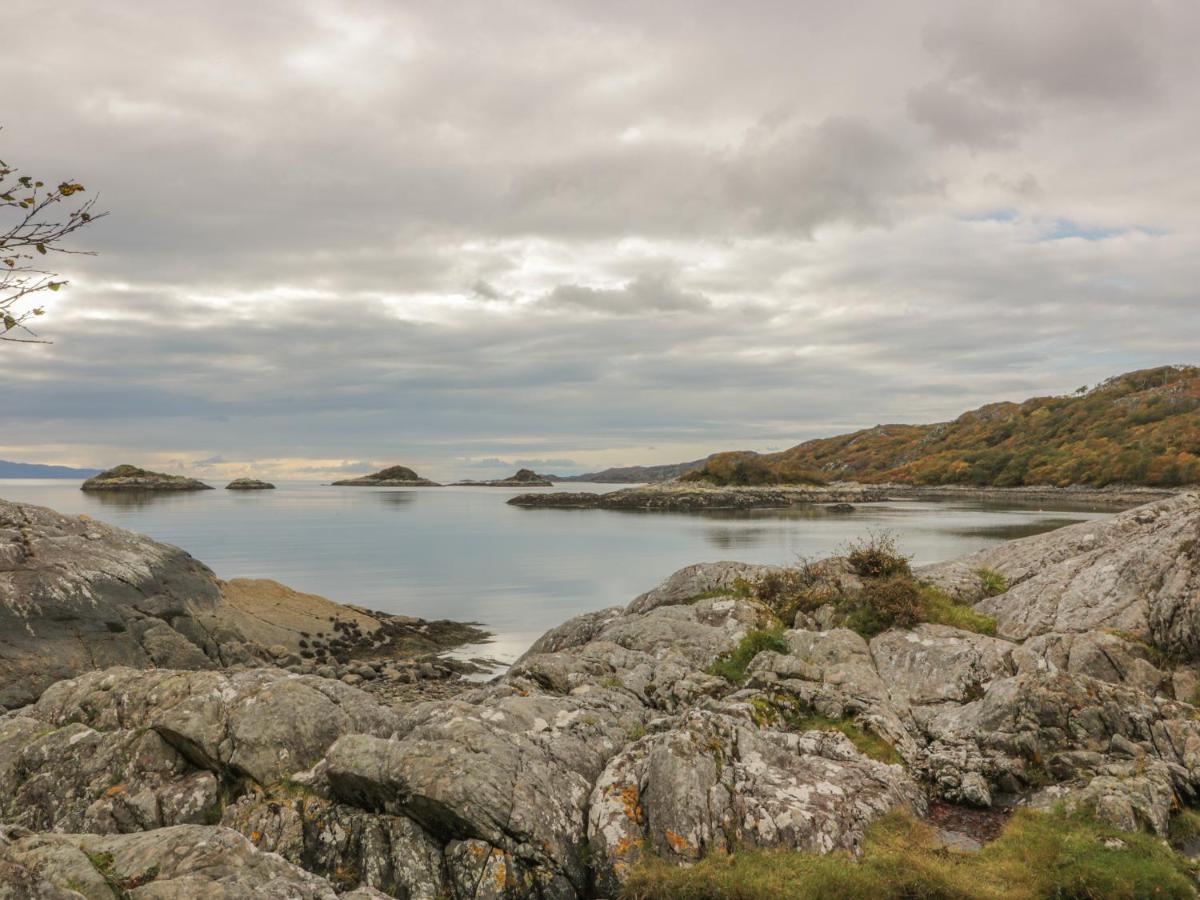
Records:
x=732, y=665
x=1039, y=855
x=868, y=744
x=1184, y=827
x=739, y=588
x=941, y=609
x=991, y=581
x=776, y=710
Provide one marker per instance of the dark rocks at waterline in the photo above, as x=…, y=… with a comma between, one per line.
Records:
x=393, y=476
x=840, y=507
x=131, y=478
x=688, y=498
x=249, y=484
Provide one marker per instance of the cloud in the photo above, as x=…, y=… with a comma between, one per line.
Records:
x=570, y=232
x=957, y=117
x=644, y=294
x=1054, y=50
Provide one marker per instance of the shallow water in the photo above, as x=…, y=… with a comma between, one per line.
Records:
x=462, y=553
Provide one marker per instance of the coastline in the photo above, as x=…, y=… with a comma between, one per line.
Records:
x=693, y=496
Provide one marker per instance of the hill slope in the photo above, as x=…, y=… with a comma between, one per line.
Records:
x=1138, y=428
x=641, y=474
x=9, y=469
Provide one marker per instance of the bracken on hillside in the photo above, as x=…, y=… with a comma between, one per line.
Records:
x=1138, y=428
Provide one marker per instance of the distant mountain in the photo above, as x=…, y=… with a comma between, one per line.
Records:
x=1139, y=428
x=35, y=470
x=640, y=474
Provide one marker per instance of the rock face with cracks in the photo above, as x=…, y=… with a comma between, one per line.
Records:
x=610, y=739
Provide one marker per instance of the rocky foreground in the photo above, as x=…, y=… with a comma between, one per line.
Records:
x=623, y=732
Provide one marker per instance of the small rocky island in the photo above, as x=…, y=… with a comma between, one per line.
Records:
x=171, y=735
x=392, y=476
x=249, y=484
x=131, y=478
x=522, y=478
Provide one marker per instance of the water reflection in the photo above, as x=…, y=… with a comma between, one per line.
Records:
x=737, y=538
x=136, y=499
x=1014, y=531
x=396, y=498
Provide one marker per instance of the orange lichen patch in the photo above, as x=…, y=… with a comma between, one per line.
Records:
x=255, y=837
x=624, y=845
x=678, y=843
x=500, y=875
x=629, y=799
x=114, y=790
x=480, y=852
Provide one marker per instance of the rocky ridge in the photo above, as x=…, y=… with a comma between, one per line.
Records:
x=612, y=737
x=131, y=478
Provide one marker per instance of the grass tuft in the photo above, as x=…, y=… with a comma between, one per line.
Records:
x=941, y=609
x=732, y=665
x=991, y=581
x=1038, y=855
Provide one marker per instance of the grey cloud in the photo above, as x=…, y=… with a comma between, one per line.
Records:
x=646, y=293
x=1106, y=50
x=957, y=117
x=841, y=170
x=551, y=231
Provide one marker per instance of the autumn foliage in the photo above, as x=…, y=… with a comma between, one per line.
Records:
x=1139, y=428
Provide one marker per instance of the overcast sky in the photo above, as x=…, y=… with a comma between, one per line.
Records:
x=466, y=236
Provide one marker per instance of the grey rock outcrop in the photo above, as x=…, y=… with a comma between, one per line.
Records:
x=176, y=863
x=131, y=478
x=1137, y=573
x=78, y=595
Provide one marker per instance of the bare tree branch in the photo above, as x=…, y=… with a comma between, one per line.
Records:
x=33, y=225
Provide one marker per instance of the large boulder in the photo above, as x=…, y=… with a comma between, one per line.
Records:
x=178, y=863
x=712, y=782
x=261, y=724
x=78, y=595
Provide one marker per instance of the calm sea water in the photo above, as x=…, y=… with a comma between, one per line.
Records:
x=461, y=553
